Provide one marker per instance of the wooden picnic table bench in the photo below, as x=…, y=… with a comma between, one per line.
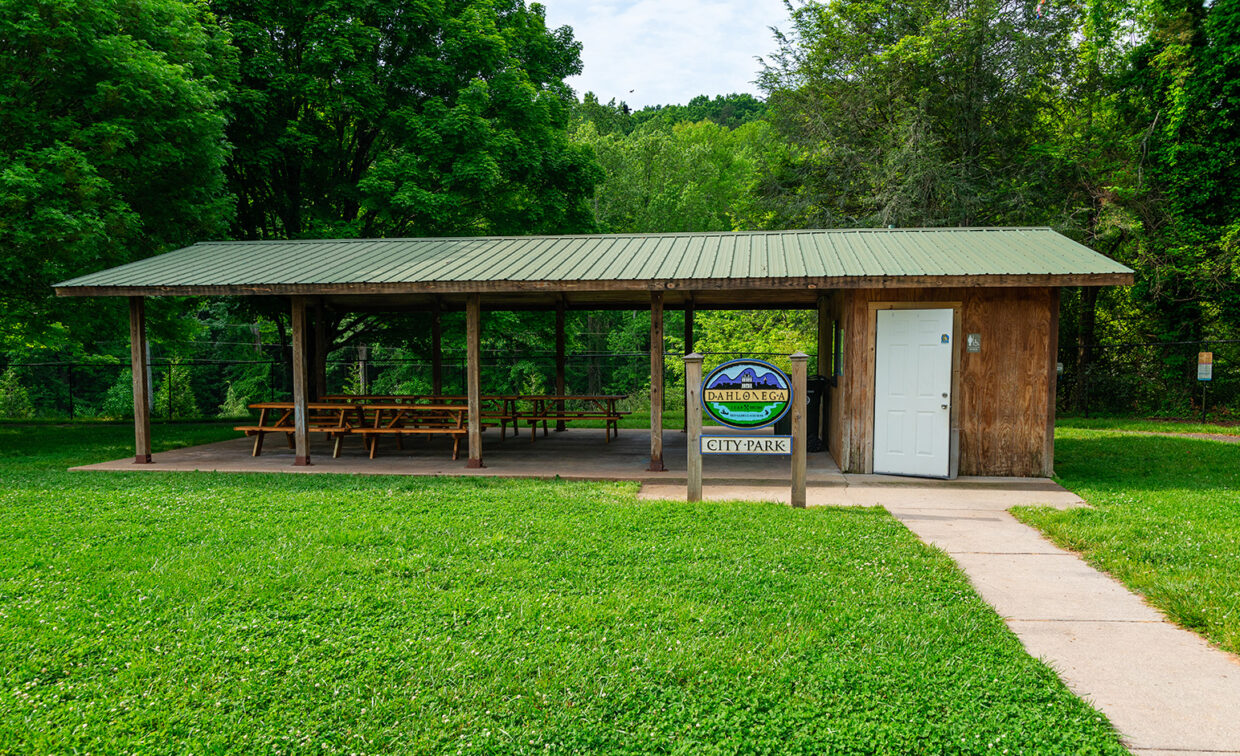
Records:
x=332, y=418
x=553, y=407
x=407, y=419
x=495, y=407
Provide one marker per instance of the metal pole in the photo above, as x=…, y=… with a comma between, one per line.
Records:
x=693, y=422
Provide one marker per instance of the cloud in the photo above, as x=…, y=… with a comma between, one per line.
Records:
x=667, y=51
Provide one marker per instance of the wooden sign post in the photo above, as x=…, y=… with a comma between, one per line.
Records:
x=735, y=389
x=693, y=422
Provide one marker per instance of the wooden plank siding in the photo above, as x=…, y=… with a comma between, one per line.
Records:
x=1003, y=396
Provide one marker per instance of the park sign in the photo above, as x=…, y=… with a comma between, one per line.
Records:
x=746, y=394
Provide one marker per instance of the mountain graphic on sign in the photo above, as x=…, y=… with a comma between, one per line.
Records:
x=747, y=378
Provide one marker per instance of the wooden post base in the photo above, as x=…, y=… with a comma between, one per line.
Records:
x=301, y=461
x=474, y=464
x=656, y=465
x=142, y=459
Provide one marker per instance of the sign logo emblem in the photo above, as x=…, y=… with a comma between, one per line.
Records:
x=746, y=394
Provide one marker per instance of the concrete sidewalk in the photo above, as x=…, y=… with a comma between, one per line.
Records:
x=1165, y=689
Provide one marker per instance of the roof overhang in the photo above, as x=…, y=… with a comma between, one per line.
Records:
x=743, y=269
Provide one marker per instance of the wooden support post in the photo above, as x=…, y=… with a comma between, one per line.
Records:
x=320, y=350
x=473, y=377
x=140, y=362
x=437, y=350
x=826, y=347
x=559, y=359
x=688, y=344
x=1052, y=382
x=693, y=419
x=656, y=382
x=799, y=360
x=301, y=380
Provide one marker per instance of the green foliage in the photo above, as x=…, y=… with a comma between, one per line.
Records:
x=235, y=404
x=1164, y=519
x=335, y=614
x=916, y=113
x=14, y=398
x=118, y=401
x=385, y=117
x=689, y=177
x=113, y=147
x=174, y=394
x=729, y=111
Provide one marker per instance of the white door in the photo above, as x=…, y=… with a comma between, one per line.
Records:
x=912, y=392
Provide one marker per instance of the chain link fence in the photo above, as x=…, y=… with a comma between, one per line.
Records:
x=1156, y=379
x=1145, y=379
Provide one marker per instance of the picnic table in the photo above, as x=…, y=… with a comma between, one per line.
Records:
x=553, y=407
x=332, y=418
x=499, y=408
x=406, y=419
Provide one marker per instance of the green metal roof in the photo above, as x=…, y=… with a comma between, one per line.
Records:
x=749, y=259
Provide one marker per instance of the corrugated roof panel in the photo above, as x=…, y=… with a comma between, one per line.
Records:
x=600, y=258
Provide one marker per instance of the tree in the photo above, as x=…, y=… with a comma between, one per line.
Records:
x=919, y=112
x=674, y=177
x=113, y=149
x=1184, y=94
x=388, y=117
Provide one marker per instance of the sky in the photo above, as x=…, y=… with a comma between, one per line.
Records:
x=662, y=52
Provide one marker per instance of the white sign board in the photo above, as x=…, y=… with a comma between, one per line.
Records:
x=1205, y=366
x=747, y=445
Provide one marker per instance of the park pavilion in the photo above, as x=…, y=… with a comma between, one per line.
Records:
x=941, y=343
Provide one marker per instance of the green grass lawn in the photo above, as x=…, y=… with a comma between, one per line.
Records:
x=1165, y=521
x=190, y=613
x=1145, y=425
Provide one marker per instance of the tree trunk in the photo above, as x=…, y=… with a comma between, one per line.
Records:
x=1086, y=337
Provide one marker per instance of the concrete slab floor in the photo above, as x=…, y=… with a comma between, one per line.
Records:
x=1166, y=690
x=578, y=453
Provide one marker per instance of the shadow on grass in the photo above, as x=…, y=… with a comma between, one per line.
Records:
x=1106, y=460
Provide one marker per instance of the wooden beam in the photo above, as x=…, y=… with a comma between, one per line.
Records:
x=693, y=419
x=301, y=380
x=141, y=381
x=1052, y=381
x=689, y=311
x=799, y=366
x=437, y=350
x=320, y=350
x=473, y=378
x=656, y=382
x=826, y=347
x=559, y=359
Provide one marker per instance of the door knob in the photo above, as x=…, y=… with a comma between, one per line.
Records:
x=944, y=406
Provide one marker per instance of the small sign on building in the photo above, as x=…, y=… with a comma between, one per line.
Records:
x=973, y=343
x=1205, y=366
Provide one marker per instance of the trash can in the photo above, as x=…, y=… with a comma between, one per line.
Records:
x=815, y=387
